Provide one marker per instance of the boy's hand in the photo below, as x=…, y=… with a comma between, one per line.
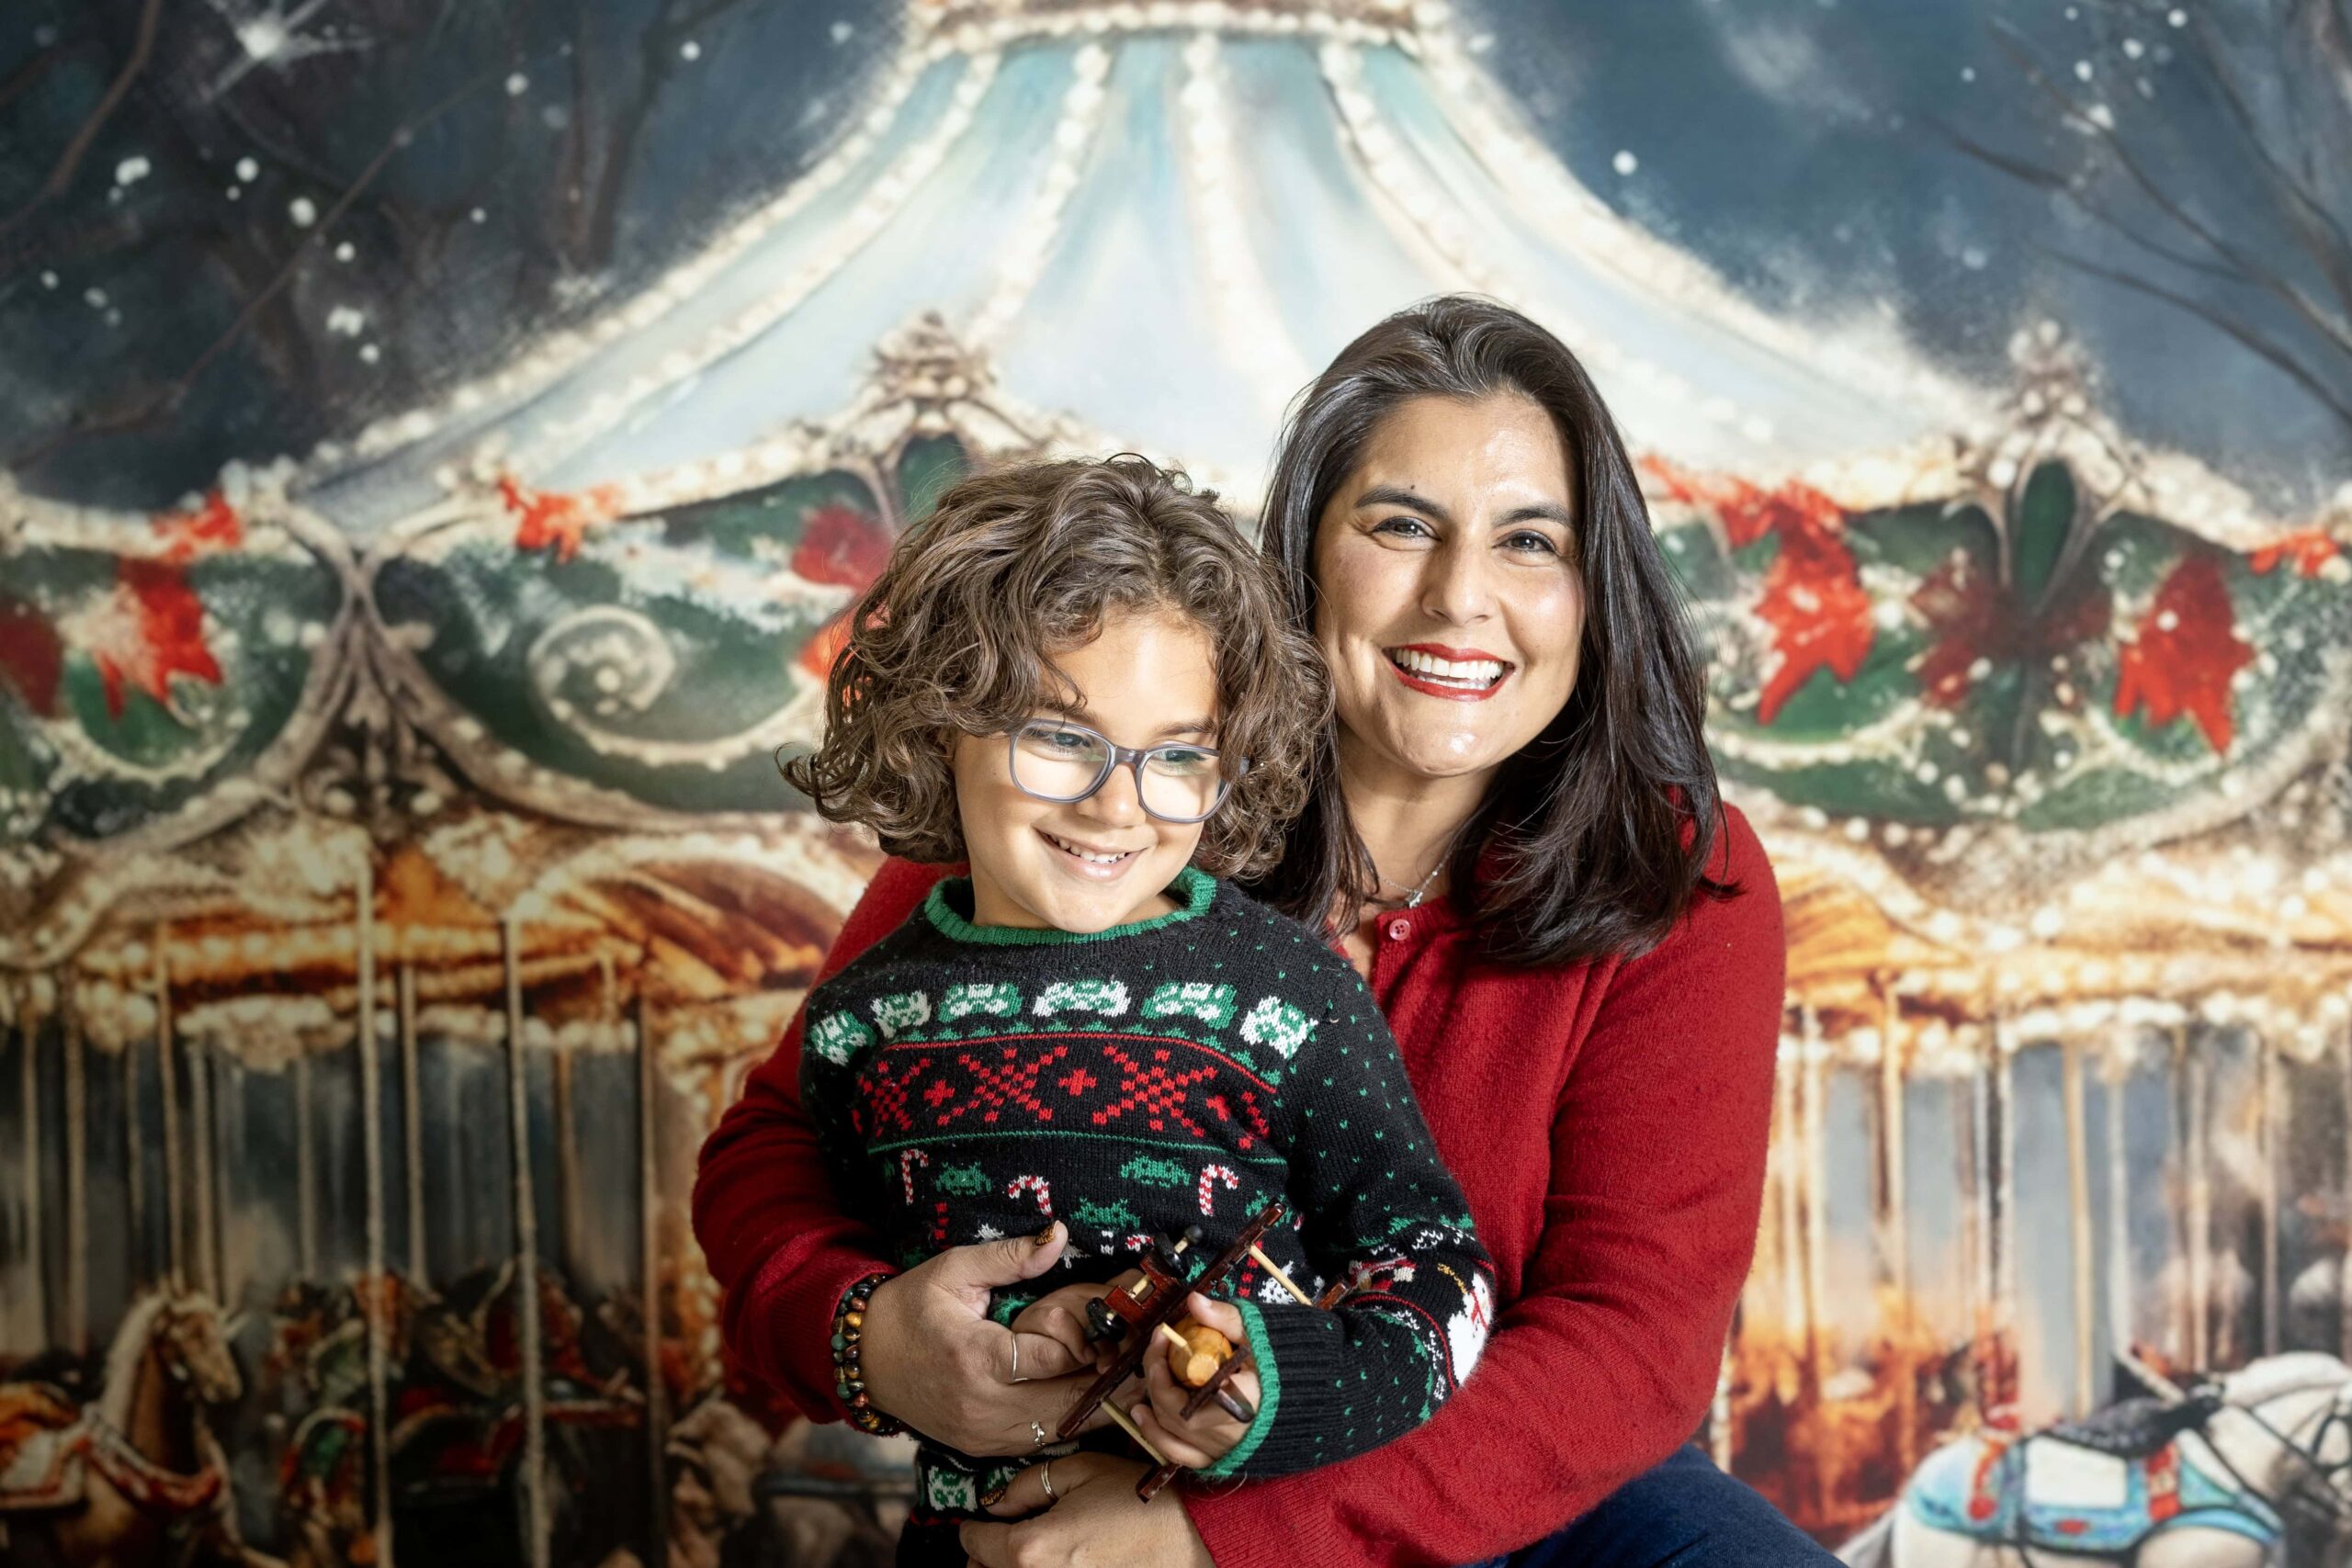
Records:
x=1211, y=1434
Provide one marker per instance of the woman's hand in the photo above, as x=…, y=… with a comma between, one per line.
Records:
x=932, y=1360
x=1097, y=1521
x=1060, y=1315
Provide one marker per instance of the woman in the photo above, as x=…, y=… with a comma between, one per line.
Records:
x=1518, y=842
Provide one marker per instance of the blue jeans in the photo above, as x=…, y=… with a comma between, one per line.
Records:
x=1684, y=1514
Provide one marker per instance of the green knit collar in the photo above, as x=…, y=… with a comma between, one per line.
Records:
x=1192, y=888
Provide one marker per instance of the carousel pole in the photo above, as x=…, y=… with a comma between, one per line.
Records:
x=1968, y=1110
x=526, y=1250
x=134, y=1155
x=2005, y=1181
x=29, y=1064
x=306, y=1180
x=649, y=1208
x=167, y=1068
x=1786, y=1139
x=412, y=1123
x=1895, y=1231
x=2201, y=1217
x=1893, y=1235
x=567, y=1165
x=371, y=1140
x=1719, y=1432
x=2081, y=1242
x=201, y=1135
x=1817, y=1197
x=2181, y=1236
x=2119, y=1210
x=70, y=1045
x=2344, y=1264
x=1812, y=1152
x=2274, y=1111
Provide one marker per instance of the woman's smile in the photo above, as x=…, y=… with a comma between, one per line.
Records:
x=1456, y=674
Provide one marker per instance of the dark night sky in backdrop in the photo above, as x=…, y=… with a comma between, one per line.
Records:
x=1805, y=148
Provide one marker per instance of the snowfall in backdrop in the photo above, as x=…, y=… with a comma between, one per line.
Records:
x=404, y=406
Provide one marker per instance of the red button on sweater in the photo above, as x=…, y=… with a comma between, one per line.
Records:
x=1607, y=1121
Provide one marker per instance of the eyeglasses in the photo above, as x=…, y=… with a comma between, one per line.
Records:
x=1056, y=759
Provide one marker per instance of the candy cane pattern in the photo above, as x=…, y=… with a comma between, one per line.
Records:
x=907, y=1160
x=1037, y=1184
x=1136, y=1243
x=1210, y=1176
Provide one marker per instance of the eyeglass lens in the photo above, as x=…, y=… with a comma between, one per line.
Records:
x=1061, y=762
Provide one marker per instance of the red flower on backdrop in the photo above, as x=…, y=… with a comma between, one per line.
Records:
x=148, y=630
x=843, y=548
x=545, y=517
x=213, y=525
x=32, y=656
x=1971, y=619
x=1812, y=596
x=2310, y=550
x=2186, y=652
x=840, y=546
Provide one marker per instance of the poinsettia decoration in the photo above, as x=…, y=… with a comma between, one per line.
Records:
x=32, y=656
x=2309, y=551
x=2187, y=653
x=843, y=548
x=210, y=526
x=1973, y=623
x=147, y=631
x=1812, y=596
x=545, y=518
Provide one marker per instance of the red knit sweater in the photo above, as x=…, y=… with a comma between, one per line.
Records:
x=1607, y=1121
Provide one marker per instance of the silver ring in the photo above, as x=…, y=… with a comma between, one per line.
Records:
x=1045, y=1478
x=1038, y=1432
x=1016, y=1359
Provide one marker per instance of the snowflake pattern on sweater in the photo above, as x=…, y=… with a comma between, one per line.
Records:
x=972, y=1082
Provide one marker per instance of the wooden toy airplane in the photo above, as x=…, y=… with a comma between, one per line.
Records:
x=1143, y=1316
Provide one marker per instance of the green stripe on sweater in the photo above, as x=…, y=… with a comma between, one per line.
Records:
x=1192, y=888
x=1269, y=1393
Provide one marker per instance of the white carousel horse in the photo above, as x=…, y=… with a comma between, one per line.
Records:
x=137, y=1477
x=2254, y=1471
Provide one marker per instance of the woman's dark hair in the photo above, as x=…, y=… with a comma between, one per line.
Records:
x=1593, y=838
x=1014, y=566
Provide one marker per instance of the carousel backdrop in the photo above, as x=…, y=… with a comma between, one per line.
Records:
x=397, y=882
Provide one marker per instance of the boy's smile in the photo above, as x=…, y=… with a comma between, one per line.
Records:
x=1149, y=678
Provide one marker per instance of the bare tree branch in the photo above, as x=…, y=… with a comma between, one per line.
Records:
x=2281, y=288
x=2041, y=175
x=2243, y=335
x=69, y=163
x=658, y=48
x=2322, y=237
x=28, y=76
x=167, y=398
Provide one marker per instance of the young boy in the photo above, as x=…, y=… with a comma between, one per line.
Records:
x=1079, y=679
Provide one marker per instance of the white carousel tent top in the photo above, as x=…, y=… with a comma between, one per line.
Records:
x=1152, y=223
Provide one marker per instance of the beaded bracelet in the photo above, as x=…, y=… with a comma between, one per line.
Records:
x=849, y=1380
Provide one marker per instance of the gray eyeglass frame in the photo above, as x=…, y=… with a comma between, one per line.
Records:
x=1116, y=755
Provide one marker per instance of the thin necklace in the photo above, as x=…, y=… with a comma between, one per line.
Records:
x=1413, y=900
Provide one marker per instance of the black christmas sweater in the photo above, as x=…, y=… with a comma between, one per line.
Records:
x=972, y=1082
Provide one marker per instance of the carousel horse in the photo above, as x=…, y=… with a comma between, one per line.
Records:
x=136, y=1477
x=2254, y=1470
x=320, y=1348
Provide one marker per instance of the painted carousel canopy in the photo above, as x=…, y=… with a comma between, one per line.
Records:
x=1972, y=644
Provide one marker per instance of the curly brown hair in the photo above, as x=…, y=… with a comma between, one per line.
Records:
x=958, y=636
